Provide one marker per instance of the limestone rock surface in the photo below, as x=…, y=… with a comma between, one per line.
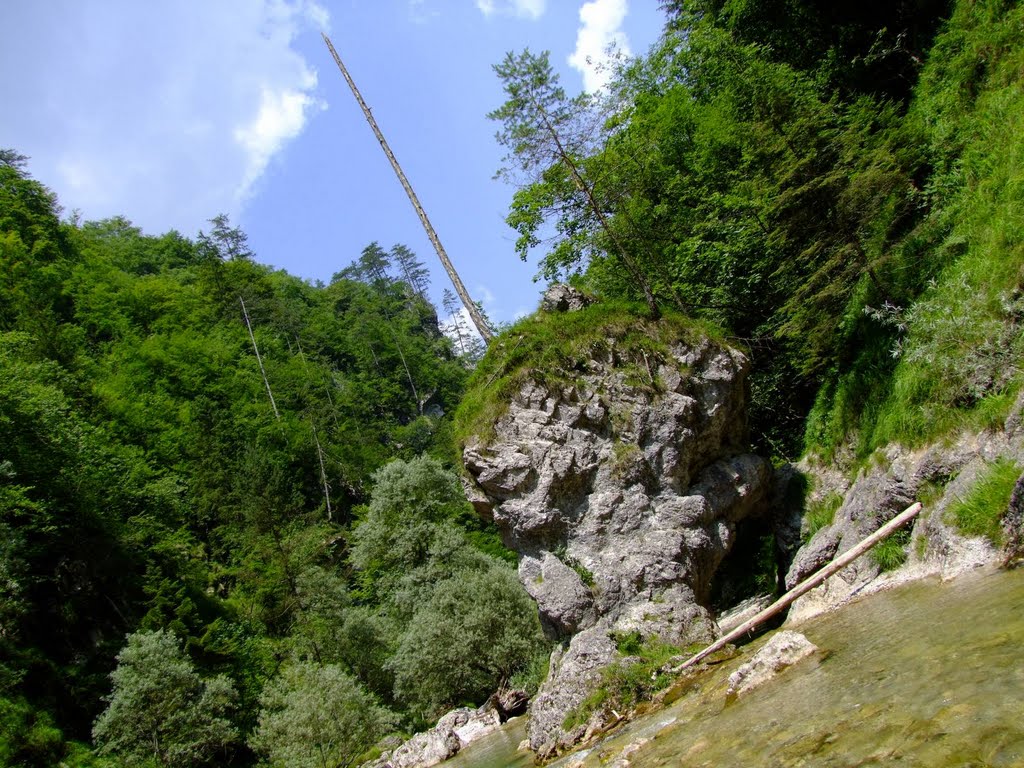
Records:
x=784, y=650
x=622, y=490
x=940, y=474
x=564, y=298
x=454, y=731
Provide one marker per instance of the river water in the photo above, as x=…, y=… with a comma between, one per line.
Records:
x=929, y=674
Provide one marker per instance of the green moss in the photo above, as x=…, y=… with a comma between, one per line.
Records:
x=980, y=511
x=820, y=513
x=555, y=349
x=630, y=681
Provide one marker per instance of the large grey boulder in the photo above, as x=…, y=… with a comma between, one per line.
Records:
x=568, y=602
x=564, y=298
x=574, y=674
x=622, y=490
x=454, y=731
x=784, y=650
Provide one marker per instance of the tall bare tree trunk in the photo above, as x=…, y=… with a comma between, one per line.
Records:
x=474, y=312
x=323, y=471
x=259, y=359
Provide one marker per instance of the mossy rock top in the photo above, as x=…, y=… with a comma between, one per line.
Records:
x=559, y=349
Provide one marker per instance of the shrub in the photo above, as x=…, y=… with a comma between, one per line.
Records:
x=979, y=512
x=160, y=710
x=318, y=717
x=418, y=515
x=478, y=630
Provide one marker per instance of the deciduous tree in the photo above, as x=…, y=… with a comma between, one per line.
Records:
x=160, y=710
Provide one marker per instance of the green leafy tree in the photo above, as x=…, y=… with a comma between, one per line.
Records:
x=160, y=710
x=316, y=716
x=548, y=135
x=408, y=523
x=411, y=269
x=477, y=630
x=224, y=241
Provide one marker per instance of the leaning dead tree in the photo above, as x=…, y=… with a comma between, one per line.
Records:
x=819, y=577
x=474, y=312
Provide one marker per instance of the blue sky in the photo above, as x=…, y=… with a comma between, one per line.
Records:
x=171, y=112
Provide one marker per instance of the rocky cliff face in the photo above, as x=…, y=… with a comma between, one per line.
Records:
x=621, y=487
x=940, y=475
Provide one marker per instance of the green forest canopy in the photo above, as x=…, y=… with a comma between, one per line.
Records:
x=835, y=185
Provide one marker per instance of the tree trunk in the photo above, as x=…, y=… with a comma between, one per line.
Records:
x=259, y=359
x=805, y=586
x=460, y=289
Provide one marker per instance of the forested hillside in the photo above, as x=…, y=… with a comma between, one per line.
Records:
x=835, y=184
x=188, y=446
x=235, y=490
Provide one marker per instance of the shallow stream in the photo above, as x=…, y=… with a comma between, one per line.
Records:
x=928, y=674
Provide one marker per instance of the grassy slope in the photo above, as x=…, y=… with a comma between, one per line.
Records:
x=948, y=361
x=554, y=348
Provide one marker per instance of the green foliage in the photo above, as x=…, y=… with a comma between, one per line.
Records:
x=890, y=553
x=633, y=679
x=820, y=512
x=317, y=717
x=797, y=175
x=415, y=520
x=160, y=710
x=27, y=736
x=530, y=677
x=845, y=45
x=554, y=349
x=980, y=511
x=146, y=482
x=944, y=360
x=478, y=629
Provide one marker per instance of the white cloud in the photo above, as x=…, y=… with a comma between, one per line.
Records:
x=600, y=28
x=523, y=9
x=281, y=117
x=167, y=113
x=485, y=296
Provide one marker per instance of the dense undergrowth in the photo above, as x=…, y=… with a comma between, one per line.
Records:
x=947, y=357
x=836, y=187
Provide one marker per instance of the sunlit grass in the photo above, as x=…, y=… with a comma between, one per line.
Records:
x=980, y=511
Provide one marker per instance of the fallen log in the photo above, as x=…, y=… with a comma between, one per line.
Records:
x=805, y=586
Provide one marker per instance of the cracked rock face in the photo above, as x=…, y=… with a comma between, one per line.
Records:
x=621, y=491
